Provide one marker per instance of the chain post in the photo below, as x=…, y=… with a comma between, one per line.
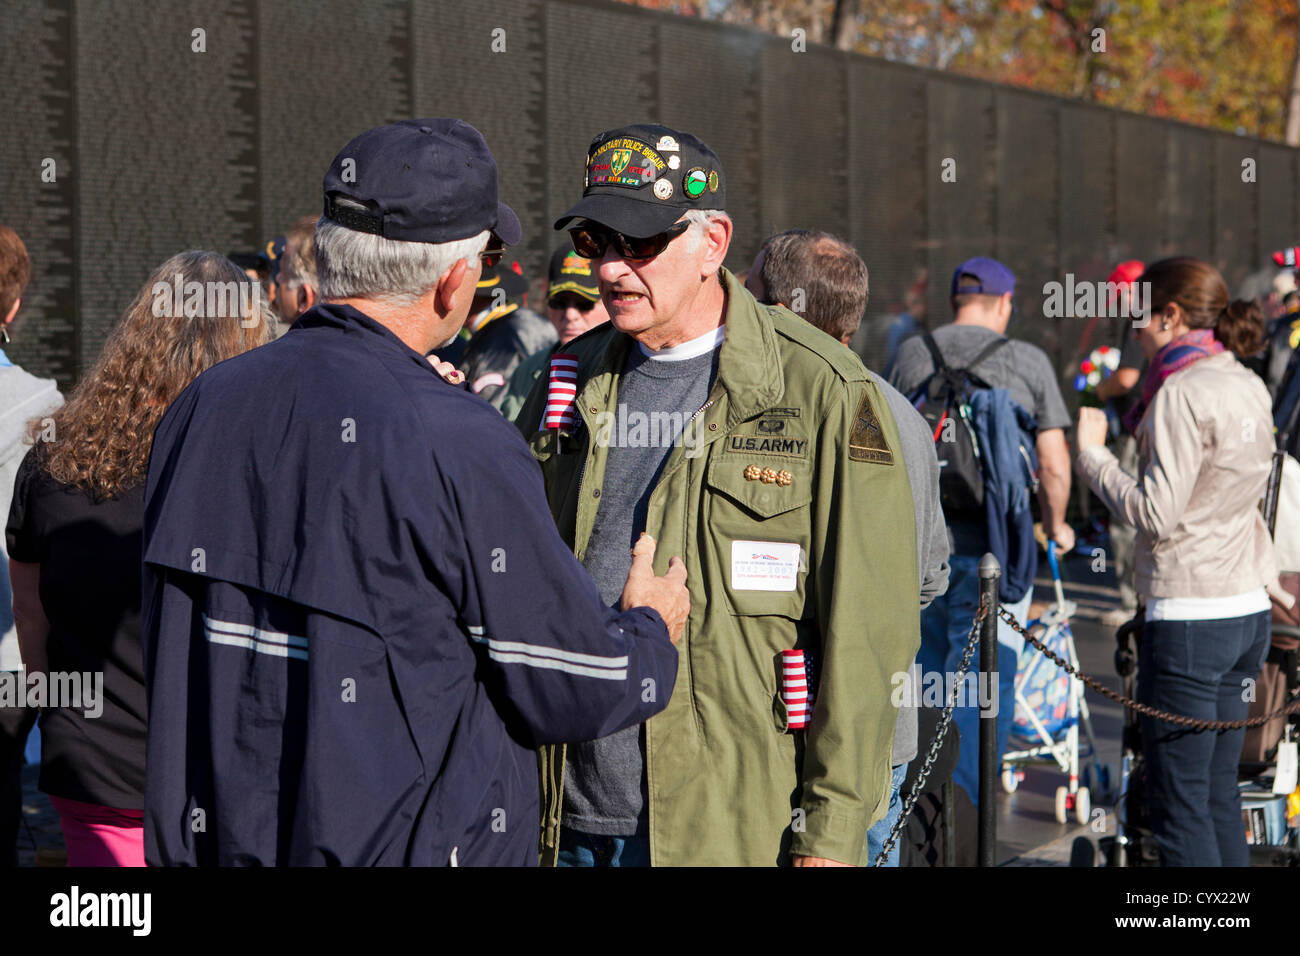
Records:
x=945, y=721
x=989, y=571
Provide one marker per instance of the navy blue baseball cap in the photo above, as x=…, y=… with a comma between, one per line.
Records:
x=270, y=256
x=420, y=180
x=994, y=278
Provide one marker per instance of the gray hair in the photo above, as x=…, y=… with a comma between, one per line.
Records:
x=353, y=264
x=702, y=218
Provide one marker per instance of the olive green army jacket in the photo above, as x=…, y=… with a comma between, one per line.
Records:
x=788, y=501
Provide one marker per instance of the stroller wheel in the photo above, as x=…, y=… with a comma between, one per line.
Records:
x=1082, y=805
x=1062, y=808
x=1010, y=780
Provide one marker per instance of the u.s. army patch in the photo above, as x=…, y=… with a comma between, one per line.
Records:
x=792, y=447
x=867, y=440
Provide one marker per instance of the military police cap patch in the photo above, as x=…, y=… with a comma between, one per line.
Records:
x=640, y=179
x=420, y=180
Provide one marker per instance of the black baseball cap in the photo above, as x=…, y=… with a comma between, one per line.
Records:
x=640, y=179
x=420, y=180
x=501, y=276
x=570, y=272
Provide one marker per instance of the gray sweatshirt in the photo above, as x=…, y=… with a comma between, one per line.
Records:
x=922, y=466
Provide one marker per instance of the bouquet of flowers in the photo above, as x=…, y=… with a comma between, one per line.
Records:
x=1092, y=371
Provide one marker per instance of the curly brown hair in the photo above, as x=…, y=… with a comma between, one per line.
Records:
x=102, y=436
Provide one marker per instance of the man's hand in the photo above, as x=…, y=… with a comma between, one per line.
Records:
x=667, y=594
x=1063, y=535
x=448, y=371
x=815, y=861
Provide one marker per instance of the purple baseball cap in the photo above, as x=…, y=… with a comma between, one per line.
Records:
x=994, y=277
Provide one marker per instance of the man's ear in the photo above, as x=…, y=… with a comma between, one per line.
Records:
x=445, y=294
x=306, y=298
x=717, y=239
x=13, y=311
x=1005, y=308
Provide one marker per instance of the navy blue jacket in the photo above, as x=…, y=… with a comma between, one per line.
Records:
x=1006, y=435
x=359, y=618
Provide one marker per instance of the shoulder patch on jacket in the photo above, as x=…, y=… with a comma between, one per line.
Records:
x=867, y=441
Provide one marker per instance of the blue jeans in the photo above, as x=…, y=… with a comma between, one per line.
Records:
x=590, y=849
x=1198, y=669
x=879, y=832
x=945, y=625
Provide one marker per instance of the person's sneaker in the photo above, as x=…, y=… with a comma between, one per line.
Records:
x=1118, y=616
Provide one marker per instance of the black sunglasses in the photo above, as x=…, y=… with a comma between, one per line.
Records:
x=591, y=240
x=563, y=300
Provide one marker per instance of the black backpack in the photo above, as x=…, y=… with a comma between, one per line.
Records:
x=944, y=401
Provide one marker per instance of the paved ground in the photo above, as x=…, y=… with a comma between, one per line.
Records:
x=1028, y=834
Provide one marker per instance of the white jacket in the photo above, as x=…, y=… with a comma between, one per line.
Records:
x=1205, y=447
x=23, y=397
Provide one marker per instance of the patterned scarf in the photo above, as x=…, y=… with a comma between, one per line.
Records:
x=1174, y=357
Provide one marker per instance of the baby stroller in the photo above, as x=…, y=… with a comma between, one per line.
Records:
x=1049, y=707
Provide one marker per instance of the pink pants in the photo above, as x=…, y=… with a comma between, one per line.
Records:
x=100, y=836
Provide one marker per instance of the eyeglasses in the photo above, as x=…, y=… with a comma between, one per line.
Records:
x=492, y=256
x=591, y=240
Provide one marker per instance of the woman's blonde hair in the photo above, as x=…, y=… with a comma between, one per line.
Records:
x=195, y=310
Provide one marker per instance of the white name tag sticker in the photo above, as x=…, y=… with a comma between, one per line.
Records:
x=1287, y=767
x=764, y=565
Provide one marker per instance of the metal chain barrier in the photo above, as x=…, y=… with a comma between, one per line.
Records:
x=972, y=641
x=1146, y=709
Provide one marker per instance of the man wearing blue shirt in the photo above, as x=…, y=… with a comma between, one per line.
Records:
x=359, y=619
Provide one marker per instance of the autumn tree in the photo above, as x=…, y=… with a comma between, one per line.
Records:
x=1230, y=64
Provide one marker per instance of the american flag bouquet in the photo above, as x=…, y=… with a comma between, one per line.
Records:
x=1094, y=370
